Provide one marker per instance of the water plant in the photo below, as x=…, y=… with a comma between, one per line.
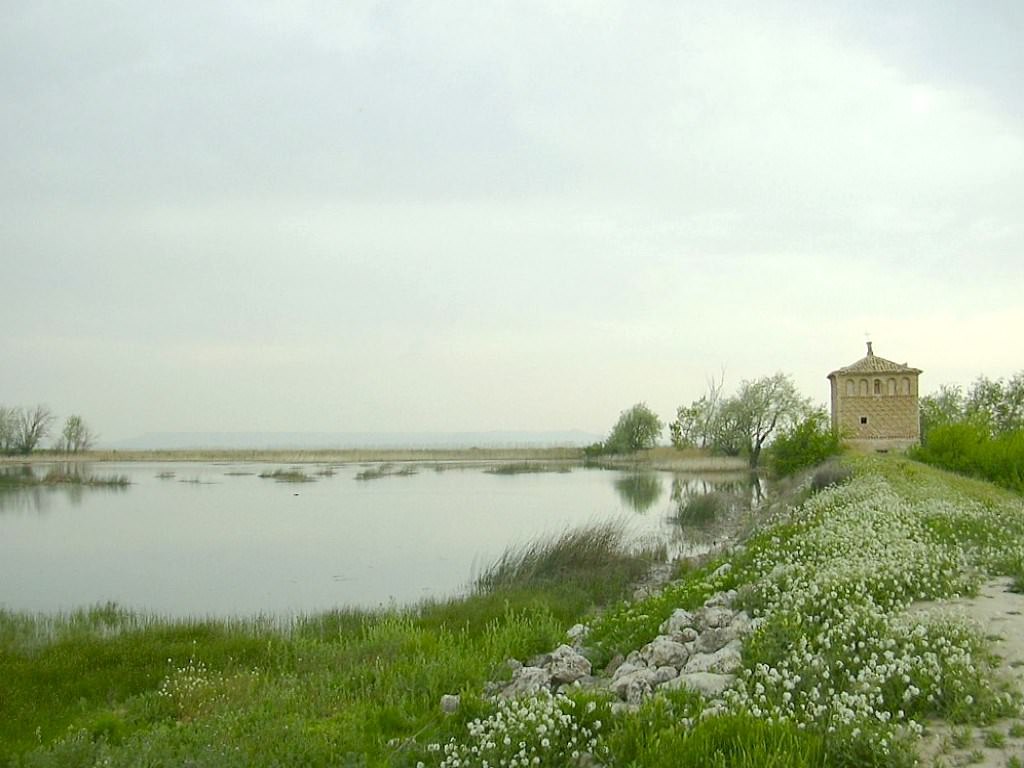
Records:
x=387, y=470
x=293, y=475
x=600, y=551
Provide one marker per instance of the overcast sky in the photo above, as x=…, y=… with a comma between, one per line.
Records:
x=456, y=216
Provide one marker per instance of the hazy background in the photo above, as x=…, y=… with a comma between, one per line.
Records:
x=465, y=216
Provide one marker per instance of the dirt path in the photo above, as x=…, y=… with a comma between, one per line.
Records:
x=1000, y=614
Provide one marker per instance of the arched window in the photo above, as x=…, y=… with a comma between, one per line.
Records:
x=878, y=386
x=851, y=388
x=864, y=387
x=905, y=385
x=891, y=386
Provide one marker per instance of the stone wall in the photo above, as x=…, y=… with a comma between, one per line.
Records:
x=889, y=419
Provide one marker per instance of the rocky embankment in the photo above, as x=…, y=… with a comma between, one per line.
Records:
x=699, y=650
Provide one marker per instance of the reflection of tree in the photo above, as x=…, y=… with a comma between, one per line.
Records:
x=640, y=490
x=707, y=509
x=24, y=489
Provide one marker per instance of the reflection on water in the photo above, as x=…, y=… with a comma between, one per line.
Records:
x=639, y=490
x=194, y=539
x=708, y=511
x=35, y=488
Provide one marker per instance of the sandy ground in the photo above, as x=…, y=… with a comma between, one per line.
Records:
x=1000, y=615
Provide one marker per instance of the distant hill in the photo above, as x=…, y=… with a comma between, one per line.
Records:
x=322, y=440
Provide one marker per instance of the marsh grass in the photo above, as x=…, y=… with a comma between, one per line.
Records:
x=600, y=555
x=60, y=476
x=703, y=508
x=293, y=475
x=387, y=470
x=526, y=467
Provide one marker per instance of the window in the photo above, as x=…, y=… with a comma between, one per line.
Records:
x=863, y=419
x=864, y=387
x=891, y=386
x=878, y=386
x=905, y=386
x=851, y=388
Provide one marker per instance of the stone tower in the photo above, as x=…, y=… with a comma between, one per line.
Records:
x=874, y=403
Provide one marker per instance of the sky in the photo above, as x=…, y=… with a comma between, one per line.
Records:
x=470, y=216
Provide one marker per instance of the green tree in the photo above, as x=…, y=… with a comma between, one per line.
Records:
x=637, y=428
x=694, y=424
x=804, y=444
x=944, y=407
x=763, y=406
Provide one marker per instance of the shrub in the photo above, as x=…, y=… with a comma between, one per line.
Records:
x=810, y=442
x=829, y=474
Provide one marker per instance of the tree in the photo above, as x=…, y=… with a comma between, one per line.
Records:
x=693, y=426
x=997, y=405
x=32, y=426
x=8, y=429
x=767, y=404
x=76, y=435
x=944, y=407
x=804, y=444
x=636, y=429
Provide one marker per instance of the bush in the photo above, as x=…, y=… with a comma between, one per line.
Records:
x=967, y=448
x=828, y=475
x=808, y=443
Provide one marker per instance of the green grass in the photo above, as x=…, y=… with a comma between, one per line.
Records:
x=114, y=688
x=55, y=476
x=526, y=467
x=702, y=508
x=387, y=470
x=287, y=476
x=574, y=558
x=829, y=578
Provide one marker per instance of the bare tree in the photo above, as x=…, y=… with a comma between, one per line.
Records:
x=76, y=435
x=32, y=426
x=8, y=429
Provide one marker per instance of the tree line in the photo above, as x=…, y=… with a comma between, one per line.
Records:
x=22, y=431
x=977, y=432
x=765, y=411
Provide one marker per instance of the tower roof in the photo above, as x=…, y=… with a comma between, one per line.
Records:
x=871, y=363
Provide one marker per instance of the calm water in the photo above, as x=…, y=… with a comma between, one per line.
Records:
x=191, y=539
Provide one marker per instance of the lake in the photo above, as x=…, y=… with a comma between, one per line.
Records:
x=215, y=539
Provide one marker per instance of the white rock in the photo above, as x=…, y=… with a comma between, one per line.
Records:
x=664, y=652
x=638, y=690
x=707, y=684
x=664, y=674
x=723, y=661
x=450, y=703
x=627, y=668
x=526, y=682
x=577, y=633
x=714, y=617
x=677, y=622
x=723, y=570
x=566, y=665
x=638, y=679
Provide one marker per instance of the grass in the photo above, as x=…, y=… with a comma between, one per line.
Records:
x=526, y=467
x=837, y=674
x=292, y=475
x=702, y=508
x=573, y=558
x=60, y=476
x=114, y=688
x=387, y=470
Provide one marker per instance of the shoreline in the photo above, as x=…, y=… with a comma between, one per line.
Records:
x=656, y=459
